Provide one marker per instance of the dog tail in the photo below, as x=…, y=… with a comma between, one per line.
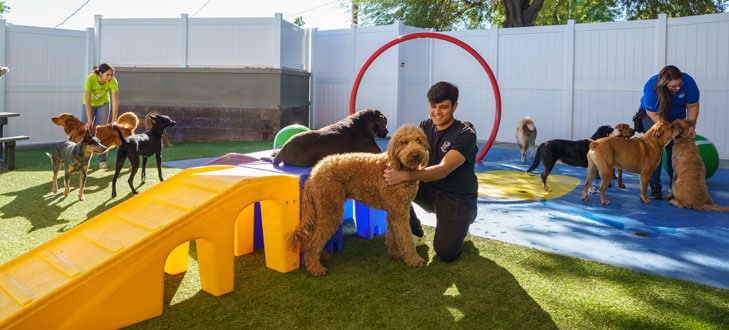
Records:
x=118, y=131
x=128, y=120
x=303, y=232
x=535, y=162
x=714, y=207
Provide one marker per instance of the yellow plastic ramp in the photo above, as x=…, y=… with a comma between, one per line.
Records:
x=108, y=272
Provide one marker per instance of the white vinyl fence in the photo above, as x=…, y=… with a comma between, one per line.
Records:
x=570, y=78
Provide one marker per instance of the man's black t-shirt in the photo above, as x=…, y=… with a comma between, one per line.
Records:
x=462, y=182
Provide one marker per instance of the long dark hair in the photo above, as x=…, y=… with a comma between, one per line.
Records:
x=667, y=74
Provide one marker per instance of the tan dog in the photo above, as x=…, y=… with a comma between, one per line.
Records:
x=688, y=188
x=526, y=137
x=359, y=176
x=640, y=155
x=624, y=131
x=74, y=128
x=148, y=123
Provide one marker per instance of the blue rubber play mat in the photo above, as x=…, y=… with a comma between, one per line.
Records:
x=655, y=238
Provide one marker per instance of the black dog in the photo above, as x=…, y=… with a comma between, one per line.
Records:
x=74, y=156
x=144, y=145
x=569, y=152
x=356, y=133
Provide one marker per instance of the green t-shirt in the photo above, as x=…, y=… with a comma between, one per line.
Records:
x=99, y=92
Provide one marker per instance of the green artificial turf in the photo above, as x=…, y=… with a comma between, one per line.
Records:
x=493, y=285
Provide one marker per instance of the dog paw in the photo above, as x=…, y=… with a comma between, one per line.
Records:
x=316, y=271
x=605, y=202
x=416, y=262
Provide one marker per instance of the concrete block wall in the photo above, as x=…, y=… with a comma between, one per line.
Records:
x=218, y=104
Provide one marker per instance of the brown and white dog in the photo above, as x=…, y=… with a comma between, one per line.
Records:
x=640, y=155
x=526, y=137
x=74, y=128
x=688, y=187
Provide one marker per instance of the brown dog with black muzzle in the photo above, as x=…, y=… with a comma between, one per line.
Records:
x=688, y=187
x=640, y=155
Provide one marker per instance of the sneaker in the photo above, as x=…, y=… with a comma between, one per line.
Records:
x=656, y=192
x=103, y=166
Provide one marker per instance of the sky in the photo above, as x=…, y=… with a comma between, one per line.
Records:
x=79, y=14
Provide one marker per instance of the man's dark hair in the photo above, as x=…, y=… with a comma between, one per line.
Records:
x=442, y=91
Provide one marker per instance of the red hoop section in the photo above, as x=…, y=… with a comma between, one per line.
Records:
x=433, y=35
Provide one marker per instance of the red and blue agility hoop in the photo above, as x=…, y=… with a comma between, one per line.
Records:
x=433, y=35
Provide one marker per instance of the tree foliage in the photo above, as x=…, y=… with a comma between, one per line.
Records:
x=3, y=8
x=299, y=21
x=649, y=9
x=443, y=15
x=437, y=14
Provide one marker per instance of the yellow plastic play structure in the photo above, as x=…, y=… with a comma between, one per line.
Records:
x=108, y=272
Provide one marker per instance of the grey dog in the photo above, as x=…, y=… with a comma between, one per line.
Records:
x=144, y=144
x=74, y=157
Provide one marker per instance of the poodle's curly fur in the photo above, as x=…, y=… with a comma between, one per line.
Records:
x=359, y=176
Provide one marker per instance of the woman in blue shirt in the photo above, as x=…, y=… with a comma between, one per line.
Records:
x=669, y=95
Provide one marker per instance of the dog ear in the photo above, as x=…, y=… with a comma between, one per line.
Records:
x=392, y=155
x=659, y=130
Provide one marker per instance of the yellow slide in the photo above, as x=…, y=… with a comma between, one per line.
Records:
x=108, y=272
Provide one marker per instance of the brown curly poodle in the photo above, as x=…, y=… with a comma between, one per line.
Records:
x=359, y=176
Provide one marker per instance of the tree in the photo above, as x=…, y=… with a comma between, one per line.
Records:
x=3, y=7
x=521, y=12
x=649, y=9
x=299, y=21
x=443, y=15
x=437, y=14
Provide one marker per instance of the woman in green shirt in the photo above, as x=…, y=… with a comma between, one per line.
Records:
x=99, y=87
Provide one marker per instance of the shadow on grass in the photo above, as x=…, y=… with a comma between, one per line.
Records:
x=50, y=211
x=363, y=289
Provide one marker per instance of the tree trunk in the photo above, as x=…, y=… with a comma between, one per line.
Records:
x=521, y=13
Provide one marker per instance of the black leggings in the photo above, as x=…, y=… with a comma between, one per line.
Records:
x=453, y=217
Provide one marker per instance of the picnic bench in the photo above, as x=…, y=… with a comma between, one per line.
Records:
x=7, y=143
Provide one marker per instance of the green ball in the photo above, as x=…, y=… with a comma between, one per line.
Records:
x=286, y=133
x=708, y=152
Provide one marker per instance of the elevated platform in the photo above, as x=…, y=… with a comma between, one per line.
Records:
x=116, y=260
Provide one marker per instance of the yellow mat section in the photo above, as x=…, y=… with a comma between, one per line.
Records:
x=522, y=185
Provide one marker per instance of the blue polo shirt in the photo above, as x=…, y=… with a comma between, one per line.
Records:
x=688, y=94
